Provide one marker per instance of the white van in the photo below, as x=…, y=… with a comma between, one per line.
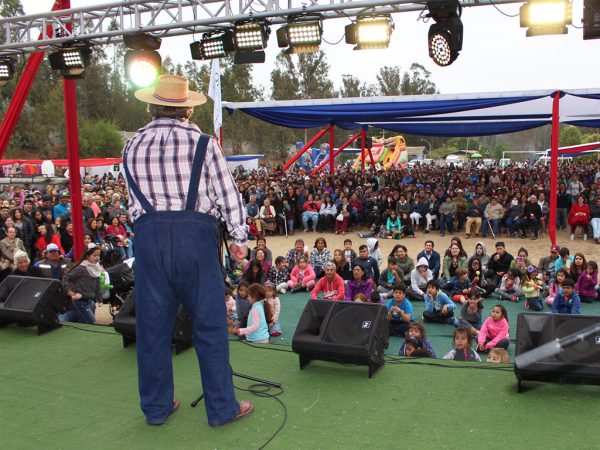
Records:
x=504, y=162
x=453, y=159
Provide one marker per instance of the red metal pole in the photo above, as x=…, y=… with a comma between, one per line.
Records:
x=554, y=167
x=363, y=137
x=221, y=136
x=306, y=147
x=372, y=160
x=23, y=87
x=337, y=152
x=331, y=144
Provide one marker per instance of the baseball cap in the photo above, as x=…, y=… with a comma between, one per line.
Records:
x=306, y=178
x=555, y=248
x=65, y=194
x=51, y=247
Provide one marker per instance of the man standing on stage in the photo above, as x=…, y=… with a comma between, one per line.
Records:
x=178, y=179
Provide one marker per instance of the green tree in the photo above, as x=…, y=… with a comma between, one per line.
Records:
x=569, y=136
x=350, y=86
x=99, y=138
x=499, y=148
x=388, y=80
x=417, y=81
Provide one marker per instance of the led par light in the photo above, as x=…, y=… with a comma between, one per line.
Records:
x=143, y=63
x=544, y=17
x=213, y=46
x=446, y=34
x=72, y=60
x=301, y=37
x=370, y=32
x=250, y=36
x=7, y=69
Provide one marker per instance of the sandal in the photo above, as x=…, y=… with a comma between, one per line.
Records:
x=467, y=236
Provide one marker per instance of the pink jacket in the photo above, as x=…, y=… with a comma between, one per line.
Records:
x=494, y=330
x=309, y=274
x=553, y=290
x=587, y=286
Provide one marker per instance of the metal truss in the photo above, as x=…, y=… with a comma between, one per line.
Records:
x=107, y=23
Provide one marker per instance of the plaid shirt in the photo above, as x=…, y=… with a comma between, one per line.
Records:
x=159, y=158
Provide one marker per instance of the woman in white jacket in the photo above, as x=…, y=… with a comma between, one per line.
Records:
x=327, y=213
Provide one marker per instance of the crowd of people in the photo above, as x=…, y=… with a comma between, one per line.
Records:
x=480, y=201
x=36, y=238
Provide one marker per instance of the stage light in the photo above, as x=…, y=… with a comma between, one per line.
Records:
x=72, y=60
x=544, y=17
x=213, y=46
x=446, y=34
x=251, y=36
x=591, y=19
x=142, y=64
x=7, y=69
x=370, y=32
x=301, y=37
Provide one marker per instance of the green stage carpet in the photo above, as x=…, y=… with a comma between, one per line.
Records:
x=72, y=389
x=441, y=336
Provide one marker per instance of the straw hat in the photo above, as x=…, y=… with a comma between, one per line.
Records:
x=170, y=90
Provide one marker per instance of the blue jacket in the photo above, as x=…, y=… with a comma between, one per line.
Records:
x=419, y=207
x=561, y=305
x=438, y=303
x=434, y=261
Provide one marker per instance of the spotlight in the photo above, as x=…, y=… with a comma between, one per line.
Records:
x=446, y=34
x=251, y=36
x=544, y=17
x=213, y=46
x=142, y=64
x=7, y=69
x=72, y=60
x=370, y=32
x=302, y=37
x=591, y=19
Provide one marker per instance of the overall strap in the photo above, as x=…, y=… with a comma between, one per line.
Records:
x=136, y=190
x=199, y=155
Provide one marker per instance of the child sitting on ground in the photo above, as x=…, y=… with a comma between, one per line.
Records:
x=242, y=304
x=498, y=355
x=349, y=253
x=470, y=313
x=462, y=350
x=252, y=229
x=565, y=259
x=462, y=286
x=586, y=284
x=271, y=297
x=411, y=344
x=567, y=301
x=376, y=231
x=416, y=329
x=260, y=316
x=495, y=331
x=400, y=312
x=390, y=278
x=531, y=285
x=230, y=303
x=509, y=287
x=438, y=307
x=278, y=275
x=556, y=285
x=302, y=277
x=361, y=298
x=407, y=229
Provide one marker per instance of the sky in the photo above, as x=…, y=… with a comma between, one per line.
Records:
x=496, y=55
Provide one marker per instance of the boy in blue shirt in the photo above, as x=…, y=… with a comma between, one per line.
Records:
x=564, y=256
x=400, y=311
x=438, y=307
x=567, y=301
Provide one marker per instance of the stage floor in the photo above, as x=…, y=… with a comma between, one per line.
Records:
x=72, y=389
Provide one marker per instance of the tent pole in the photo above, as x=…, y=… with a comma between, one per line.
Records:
x=554, y=167
x=331, y=144
x=337, y=152
x=306, y=147
x=363, y=137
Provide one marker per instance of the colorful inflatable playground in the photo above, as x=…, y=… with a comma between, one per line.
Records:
x=387, y=153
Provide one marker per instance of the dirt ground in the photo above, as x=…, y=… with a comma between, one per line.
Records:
x=279, y=246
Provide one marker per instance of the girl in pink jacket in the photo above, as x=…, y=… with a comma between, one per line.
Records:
x=494, y=332
x=302, y=277
x=556, y=285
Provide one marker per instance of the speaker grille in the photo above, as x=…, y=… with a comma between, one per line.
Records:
x=587, y=351
x=351, y=325
x=29, y=292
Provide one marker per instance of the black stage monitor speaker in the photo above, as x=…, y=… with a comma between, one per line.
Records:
x=577, y=364
x=124, y=324
x=345, y=332
x=31, y=301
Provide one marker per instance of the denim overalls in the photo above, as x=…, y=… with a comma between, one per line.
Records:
x=177, y=262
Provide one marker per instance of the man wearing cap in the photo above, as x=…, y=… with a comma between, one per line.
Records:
x=546, y=266
x=53, y=266
x=179, y=186
x=63, y=207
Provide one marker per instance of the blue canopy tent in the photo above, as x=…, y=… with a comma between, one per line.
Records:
x=454, y=115
x=248, y=161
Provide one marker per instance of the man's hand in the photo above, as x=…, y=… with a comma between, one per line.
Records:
x=238, y=253
x=497, y=257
